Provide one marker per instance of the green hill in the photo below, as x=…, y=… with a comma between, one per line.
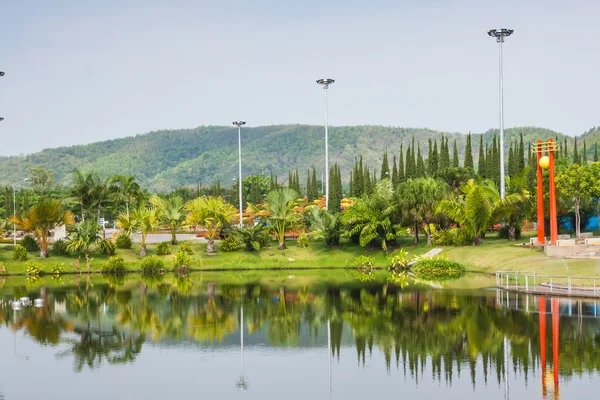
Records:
x=164, y=160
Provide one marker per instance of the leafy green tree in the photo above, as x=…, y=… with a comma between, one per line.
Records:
x=419, y=198
x=516, y=213
x=41, y=178
x=171, y=213
x=42, y=218
x=211, y=213
x=577, y=183
x=478, y=207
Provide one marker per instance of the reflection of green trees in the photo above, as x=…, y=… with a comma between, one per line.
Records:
x=445, y=330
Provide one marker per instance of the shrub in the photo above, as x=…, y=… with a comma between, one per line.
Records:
x=303, y=240
x=123, y=241
x=451, y=237
x=254, y=238
x=30, y=244
x=438, y=269
x=399, y=262
x=19, y=253
x=163, y=249
x=152, y=265
x=58, y=269
x=186, y=247
x=34, y=269
x=182, y=262
x=59, y=248
x=503, y=232
x=364, y=262
x=229, y=244
x=107, y=247
x=115, y=265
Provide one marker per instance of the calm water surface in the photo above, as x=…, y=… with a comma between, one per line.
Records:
x=196, y=338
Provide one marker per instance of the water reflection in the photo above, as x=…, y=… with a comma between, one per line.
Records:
x=497, y=337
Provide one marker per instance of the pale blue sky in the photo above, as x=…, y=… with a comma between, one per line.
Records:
x=81, y=71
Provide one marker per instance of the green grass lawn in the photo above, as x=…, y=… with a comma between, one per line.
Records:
x=493, y=255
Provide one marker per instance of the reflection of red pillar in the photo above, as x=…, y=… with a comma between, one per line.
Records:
x=555, y=344
x=553, y=222
x=542, y=310
x=540, y=196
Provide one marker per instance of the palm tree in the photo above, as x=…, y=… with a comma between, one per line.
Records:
x=211, y=213
x=478, y=206
x=41, y=219
x=125, y=189
x=142, y=221
x=369, y=217
x=280, y=212
x=516, y=213
x=419, y=198
x=80, y=190
x=85, y=236
x=171, y=213
x=324, y=224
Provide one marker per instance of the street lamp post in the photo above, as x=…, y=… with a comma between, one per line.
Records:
x=500, y=34
x=15, y=213
x=326, y=83
x=239, y=125
x=1, y=74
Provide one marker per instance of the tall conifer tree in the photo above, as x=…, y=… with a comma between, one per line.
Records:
x=576, y=154
x=420, y=171
x=468, y=163
x=584, y=153
x=455, y=161
x=385, y=167
x=401, y=172
x=595, y=152
x=395, y=180
x=481, y=163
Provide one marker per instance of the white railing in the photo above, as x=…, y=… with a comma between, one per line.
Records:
x=532, y=282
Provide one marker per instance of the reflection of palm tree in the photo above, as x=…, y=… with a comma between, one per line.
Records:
x=284, y=324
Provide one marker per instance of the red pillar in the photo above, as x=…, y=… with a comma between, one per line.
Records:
x=542, y=311
x=540, y=196
x=555, y=327
x=553, y=221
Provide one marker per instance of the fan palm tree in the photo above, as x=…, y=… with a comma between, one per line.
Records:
x=478, y=206
x=85, y=236
x=141, y=221
x=280, y=212
x=41, y=219
x=212, y=213
x=370, y=216
x=172, y=213
x=80, y=190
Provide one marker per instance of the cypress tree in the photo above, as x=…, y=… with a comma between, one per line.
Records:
x=360, y=181
x=430, y=168
x=532, y=173
x=315, y=183
x=495, y=166
x=566, y=151
x=521, y=155
x=367, y=181
x=511, y=161
x=408, y=173
x=595, y=152
x=455, y=162
x=395, y=180
x=351, y=188
x=489, y=162
x=385, y=167
x=401, y=173
x=308, y=186
x=271, y=182
x=481, y=164
x=255, y=195
x=290, y=180
x=468, y=153
x=420, y=171
x=584, y=153
x=576, y=154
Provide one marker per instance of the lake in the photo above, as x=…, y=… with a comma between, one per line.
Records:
x=233, y=337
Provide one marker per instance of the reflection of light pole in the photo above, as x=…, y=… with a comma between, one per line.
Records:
x=326, y=83
x=329, y=353
x=239, y=125
x=242, y=384
x=506, y=396
x=500, y=34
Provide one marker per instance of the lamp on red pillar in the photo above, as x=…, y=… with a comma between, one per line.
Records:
x=545, y=155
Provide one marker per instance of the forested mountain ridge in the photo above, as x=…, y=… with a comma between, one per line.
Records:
x=168, y=159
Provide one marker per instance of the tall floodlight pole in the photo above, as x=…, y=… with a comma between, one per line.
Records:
x=239, y=125
x=326, y=83
x=1, y=74
x=500, y=34
x=14, y=216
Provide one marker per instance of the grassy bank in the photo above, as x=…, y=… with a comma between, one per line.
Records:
x=493, y=255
